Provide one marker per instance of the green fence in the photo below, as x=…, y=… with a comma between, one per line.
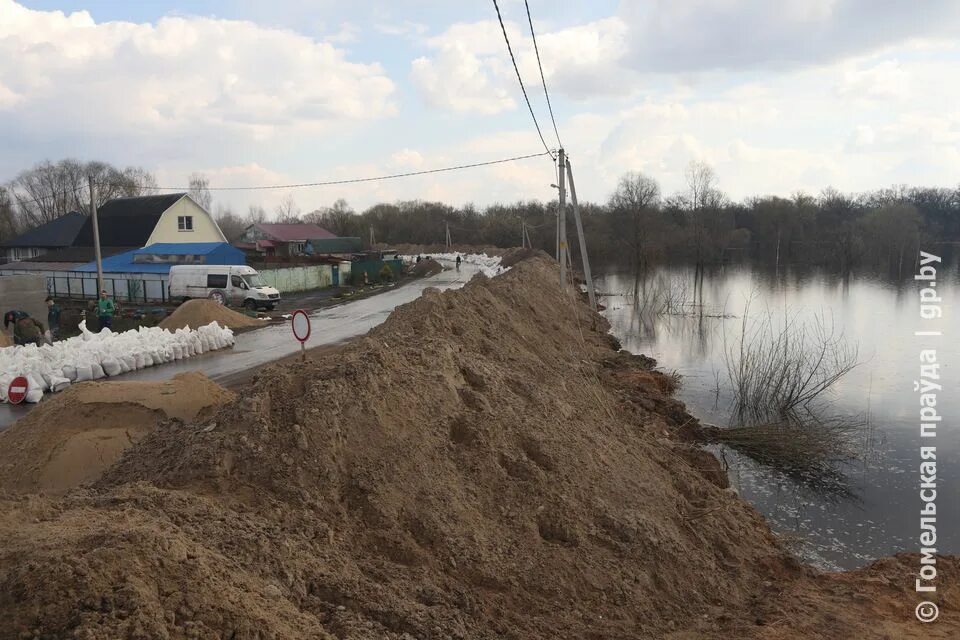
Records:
x=374, y=269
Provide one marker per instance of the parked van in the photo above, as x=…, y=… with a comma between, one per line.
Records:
x=237, y=285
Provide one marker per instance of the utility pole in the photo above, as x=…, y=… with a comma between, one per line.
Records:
x=449, y=242
x=523, y=234
x=583, y=240
x=373, y=240
x=562, y=221
x=96, y=235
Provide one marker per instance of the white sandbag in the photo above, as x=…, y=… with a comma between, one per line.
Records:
x=36, y=382
x=111, y=366
x=69, y=372
x=177, y=352
x=129, y=363
x=58, y=384
x=33, y=396
x=147, y=359
x=97, y=371
x=84, y=373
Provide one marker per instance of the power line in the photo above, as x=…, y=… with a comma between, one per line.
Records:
x=370, y=179
x=519, y=79
x=302, y=184
x=542, y=78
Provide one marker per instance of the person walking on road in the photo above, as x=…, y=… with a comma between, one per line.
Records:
x=53, y=317
x=458, y=262
x=105, y=310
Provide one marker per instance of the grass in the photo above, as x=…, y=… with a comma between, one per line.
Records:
x=779, y=375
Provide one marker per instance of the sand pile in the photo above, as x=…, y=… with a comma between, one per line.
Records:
x=72, y=437
x=512, y=256
x=5, y=340
x=470, y=469
x=426, y=267
x=199, y=312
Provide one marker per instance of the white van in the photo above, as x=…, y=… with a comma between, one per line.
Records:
x=237, y=285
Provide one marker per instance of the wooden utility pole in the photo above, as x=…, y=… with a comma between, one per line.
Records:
x=523, y=234
x=583, y=240
x=449, y=242
x=373, y=240
x=96, y=235
x=562, y=221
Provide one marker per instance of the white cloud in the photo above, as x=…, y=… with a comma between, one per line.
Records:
x=403, y=29
x=697, y=35
x=187, y=75
x=470, y=68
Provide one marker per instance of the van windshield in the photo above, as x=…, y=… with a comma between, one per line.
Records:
x=254, y=281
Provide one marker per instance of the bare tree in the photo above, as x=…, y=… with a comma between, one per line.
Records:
x=256, y=214
x=8, y=220
x=635, y=199
x=230, y=223
x=287, y=210
x=340, y=218
x=200, y=191
x=702, y=197
x=50, y=190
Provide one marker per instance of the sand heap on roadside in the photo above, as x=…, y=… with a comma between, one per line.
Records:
x=199, y=312
x=426, y=267
x=72, y=437
x=467, y=470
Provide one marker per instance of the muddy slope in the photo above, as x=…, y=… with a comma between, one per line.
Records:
x=71, y=437
x=470, y=469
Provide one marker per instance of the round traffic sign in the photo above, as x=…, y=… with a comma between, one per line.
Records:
x=301, y=325
x=17, y=390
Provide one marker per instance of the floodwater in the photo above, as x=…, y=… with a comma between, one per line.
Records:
x=878, y=511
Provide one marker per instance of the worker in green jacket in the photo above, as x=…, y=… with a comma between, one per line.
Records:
x=105, y=310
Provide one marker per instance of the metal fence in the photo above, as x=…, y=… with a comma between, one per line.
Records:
x=122, y=287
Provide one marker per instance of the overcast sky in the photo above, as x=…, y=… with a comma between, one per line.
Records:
x=777, y=96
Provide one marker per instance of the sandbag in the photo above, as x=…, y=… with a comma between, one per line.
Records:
x=111, y=366
x=58, y=384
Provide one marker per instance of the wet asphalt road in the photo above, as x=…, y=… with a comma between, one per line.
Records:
x=256, y=348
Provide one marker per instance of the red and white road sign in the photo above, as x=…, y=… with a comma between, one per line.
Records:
x=17, y=390
x=300, y=322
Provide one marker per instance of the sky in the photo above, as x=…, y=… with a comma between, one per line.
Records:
x=778, y=97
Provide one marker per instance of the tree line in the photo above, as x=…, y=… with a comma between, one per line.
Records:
x=637, y=226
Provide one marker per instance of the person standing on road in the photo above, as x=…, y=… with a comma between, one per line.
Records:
x=458, y=262
x=105, y=310
x=53, y=317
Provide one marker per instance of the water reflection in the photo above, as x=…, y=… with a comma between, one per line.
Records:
x=868, y=510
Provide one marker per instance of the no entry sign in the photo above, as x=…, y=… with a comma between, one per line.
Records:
x=300, y=323
x=17, y=390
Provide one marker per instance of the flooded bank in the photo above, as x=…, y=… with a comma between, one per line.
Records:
x=872, y=512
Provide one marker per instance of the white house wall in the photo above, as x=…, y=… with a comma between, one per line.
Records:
x=205, y=229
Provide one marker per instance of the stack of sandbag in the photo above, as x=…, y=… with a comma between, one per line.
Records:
x=91, y=356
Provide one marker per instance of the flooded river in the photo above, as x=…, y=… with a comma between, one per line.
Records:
x=879, y=515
